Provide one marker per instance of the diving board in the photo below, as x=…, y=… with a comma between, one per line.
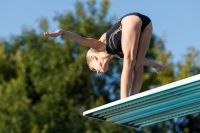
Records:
x=163, y=103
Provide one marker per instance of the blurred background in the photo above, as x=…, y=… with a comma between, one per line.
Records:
x=45, y=84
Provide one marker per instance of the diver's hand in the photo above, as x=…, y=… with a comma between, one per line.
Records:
x=53, y=34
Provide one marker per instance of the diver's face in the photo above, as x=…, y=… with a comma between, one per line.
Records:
x=95, y=65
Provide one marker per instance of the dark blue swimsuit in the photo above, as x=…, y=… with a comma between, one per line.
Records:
x=113, y=35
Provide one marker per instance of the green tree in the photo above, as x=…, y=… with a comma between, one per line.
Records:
x=55, y=76
x=189, y=66
x=7, y=66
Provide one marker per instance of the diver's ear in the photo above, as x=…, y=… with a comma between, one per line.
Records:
x=93, y=57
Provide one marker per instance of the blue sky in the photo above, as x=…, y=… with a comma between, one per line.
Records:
x=178, y=21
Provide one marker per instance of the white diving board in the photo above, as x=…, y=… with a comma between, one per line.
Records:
x=163, y=103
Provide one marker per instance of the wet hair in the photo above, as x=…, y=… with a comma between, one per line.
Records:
x=90, y=51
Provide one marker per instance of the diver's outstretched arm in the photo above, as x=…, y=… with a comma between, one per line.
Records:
x=88, y=42
x=158, y=67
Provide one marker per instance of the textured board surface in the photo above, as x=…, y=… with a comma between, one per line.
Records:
x=163, y=103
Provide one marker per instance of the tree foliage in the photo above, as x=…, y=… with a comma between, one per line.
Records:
x=45, y=84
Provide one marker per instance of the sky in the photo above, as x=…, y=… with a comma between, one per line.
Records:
x=176, y=21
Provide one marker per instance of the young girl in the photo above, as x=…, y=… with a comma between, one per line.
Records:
x=129, y=40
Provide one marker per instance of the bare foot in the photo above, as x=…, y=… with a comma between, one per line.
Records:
x=160, y=68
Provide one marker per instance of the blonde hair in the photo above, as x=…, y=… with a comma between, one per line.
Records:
x=90, y=51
